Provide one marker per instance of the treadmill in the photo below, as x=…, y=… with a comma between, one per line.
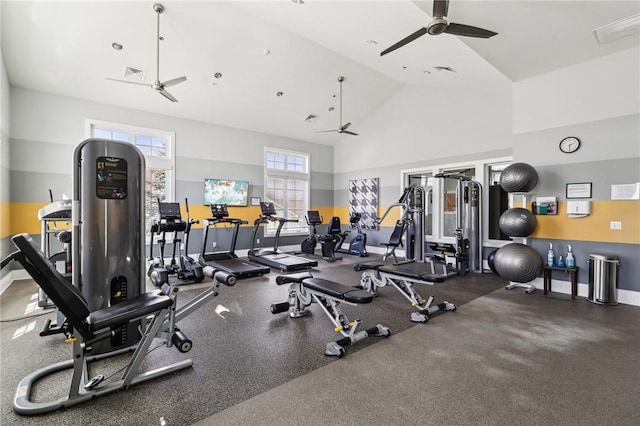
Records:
x=274, y=257
x=227, y=261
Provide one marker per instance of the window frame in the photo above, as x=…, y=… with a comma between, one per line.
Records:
x=152, y=161
x=285, y=174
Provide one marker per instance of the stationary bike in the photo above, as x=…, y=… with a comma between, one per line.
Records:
x=327, y=241
x=358, y=244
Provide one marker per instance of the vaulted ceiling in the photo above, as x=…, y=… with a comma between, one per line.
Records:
x=267, y=65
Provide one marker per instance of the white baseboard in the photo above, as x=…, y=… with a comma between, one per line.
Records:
x=625, y=297
x=16, y=274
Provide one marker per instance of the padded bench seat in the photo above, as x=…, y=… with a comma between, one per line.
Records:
x=337, y=290
x=121, y=313
x=413, y=270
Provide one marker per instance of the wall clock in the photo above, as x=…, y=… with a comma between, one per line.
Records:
x=569, y=144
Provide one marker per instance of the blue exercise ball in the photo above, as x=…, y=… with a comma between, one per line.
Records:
x=518, y=177
x=517, y=222
x=518, y=263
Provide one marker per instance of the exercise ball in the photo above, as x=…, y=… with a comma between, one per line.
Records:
x=518, y=177
x=518, y=263
x=517, y=222
x=490, y=261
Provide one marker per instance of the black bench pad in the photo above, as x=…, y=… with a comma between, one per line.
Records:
x=367, y=266
x=131, y=309
x=415, y=271
x=337, y=290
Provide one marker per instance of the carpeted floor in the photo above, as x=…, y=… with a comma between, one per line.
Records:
x=252, y=367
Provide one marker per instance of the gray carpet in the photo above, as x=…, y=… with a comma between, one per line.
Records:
x=246, y=352
x=507, y=358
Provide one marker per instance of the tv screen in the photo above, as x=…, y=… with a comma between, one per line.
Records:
x=225, y=191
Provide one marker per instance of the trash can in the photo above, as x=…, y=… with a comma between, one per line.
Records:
x=603, y=279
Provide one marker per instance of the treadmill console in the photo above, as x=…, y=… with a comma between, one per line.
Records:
x=268, y=208
x=219, y=211
x=169, y=211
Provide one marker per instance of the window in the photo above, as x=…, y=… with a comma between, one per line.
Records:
x=158, y=149
x=440, y=203
x=286, y=184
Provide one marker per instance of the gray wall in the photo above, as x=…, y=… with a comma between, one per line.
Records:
x=5, y=176
x=41, y=155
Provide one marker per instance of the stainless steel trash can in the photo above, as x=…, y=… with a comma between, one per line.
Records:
x=603, y=279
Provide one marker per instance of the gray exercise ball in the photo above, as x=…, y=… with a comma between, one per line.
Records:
x=518, y=263
x=517, y=222
x=518, y=177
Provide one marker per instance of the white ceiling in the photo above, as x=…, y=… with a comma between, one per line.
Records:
x=65, y=48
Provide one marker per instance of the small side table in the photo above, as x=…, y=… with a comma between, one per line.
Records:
x=574, y=278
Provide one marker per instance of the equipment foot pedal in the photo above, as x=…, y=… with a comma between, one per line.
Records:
x=94, y=382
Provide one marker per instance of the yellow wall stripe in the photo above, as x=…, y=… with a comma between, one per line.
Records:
x=23, y=217
x=594, y=227
x=5, y=220
x=343, y=213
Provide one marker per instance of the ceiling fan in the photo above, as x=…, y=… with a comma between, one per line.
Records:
x=157, y=85
x=342, y=128
x=438, y=25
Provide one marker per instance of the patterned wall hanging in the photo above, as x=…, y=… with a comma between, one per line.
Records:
x=363, y=199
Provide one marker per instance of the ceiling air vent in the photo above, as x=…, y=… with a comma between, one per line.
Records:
x=136, y=74
x=311, y=118
x=448, y=69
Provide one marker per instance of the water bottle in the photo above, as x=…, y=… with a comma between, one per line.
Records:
x=550, y=255
x=571, y=262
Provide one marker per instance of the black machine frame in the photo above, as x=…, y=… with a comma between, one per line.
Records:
x=229, y=260
x=183, y=268
x=274, y=257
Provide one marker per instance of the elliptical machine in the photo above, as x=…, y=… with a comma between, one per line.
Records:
x=358, y=244
x=187, y=270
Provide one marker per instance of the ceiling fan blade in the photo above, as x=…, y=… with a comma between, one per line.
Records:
x=129, y=82
x=468, y=31
x=440, y=8
x=406, y=40
x=349, y=132
x=167, y=95
x=345, y=127
x=326, y=131
x=174, y=81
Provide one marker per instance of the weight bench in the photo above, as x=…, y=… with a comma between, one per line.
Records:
x=305, y=289
x=155, y=310
x=403, y=277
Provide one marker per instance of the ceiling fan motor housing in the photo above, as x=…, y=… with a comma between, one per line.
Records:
x=437, y=26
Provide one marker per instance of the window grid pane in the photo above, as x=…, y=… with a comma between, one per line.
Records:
x=290, y=196
x=155, y=185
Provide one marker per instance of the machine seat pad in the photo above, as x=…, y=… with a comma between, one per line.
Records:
x=367, y=266
x=123, y=312
x=338, y=291
x=293, y=278
x=415, y=271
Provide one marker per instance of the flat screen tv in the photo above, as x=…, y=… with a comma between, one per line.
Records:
x=226, y=191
